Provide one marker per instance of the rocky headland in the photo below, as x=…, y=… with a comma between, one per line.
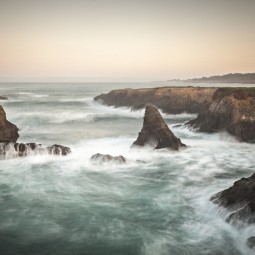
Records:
x=9, y=147
x=232, y=110
x=173, y=100
x=219, y=109
x=156, y=133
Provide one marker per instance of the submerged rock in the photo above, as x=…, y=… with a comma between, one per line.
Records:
x=239, y=199
x=3, y=98
x=156, y=133
x=251, y=242
x=13, y=150
x=8, y=131
x=103, y=158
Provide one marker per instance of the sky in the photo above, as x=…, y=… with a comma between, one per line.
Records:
x=132, y=40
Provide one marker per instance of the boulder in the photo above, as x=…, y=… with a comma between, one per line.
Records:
x=8, y=131
x=156, y=133
x=239, y=199
x=106, y=158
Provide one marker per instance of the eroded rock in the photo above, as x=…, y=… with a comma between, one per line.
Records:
x=156, y=133
x=106, y=158
x=239, y=199
x=8, y=131
x=13, y=150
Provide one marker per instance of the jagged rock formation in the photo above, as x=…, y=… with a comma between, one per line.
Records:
x=173, y=100
x=239, y=199
x=232, y=110
x=13, y=150
x=3, y=98
x=8, y=131
x=10, y=149
x=106, y=158
x=156, y=133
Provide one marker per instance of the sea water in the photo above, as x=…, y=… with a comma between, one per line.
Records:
x=156, y=204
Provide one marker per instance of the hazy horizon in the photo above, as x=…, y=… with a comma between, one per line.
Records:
x=124, y=41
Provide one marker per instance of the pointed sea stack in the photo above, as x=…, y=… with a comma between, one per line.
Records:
x=156, y=133
x=8, y=131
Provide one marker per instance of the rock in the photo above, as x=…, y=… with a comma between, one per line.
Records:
x=3, y=98
x=172, y=100
x=105, y=158
x=156, y=133
x=57, y=149
x=8, y=131
x=239, y=199
x=232, y=110
x=13, y=150
x=251, y=242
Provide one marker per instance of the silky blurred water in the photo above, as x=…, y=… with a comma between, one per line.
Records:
x=156, y=206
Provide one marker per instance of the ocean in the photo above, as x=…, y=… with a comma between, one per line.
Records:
x=156, y=204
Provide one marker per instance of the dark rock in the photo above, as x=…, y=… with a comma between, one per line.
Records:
x=12, y=150
x=232, y=110
x=57, y=149
x=8, y=131
x=103, y=158
x=3, y=98
x=239, y=199
x=251, y=242
x=156, y=133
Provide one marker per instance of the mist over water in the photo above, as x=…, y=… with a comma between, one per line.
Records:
x=68, y=205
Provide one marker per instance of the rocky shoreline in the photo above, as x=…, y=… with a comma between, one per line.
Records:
x=219, y=109
x=9, y=148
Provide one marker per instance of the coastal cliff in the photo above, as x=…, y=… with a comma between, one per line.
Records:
x=232, y=110
x=219, y=109
x=173, y=100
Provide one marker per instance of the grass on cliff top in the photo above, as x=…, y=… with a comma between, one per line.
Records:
x=238, y=93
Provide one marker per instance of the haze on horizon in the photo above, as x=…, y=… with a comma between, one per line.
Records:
x=135, y=40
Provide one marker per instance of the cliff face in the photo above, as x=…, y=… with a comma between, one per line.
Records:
x=169, y=99
x=8, y=131
x=156, y=133
x=239, y=199
x=232, y=110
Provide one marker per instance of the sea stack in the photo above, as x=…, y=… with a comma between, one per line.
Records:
x=156, y=133
x=8, y=131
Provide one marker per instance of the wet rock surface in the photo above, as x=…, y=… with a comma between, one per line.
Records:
x=106, y=158
x=13, y=150
x=239, y=199
x=8, y=131
x=156, y=133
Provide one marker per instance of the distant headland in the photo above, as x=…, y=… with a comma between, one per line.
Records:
x=241, y=78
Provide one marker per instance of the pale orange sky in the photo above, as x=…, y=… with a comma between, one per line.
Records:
x=110, y=40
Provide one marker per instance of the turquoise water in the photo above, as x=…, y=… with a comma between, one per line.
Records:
x=67, y=205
